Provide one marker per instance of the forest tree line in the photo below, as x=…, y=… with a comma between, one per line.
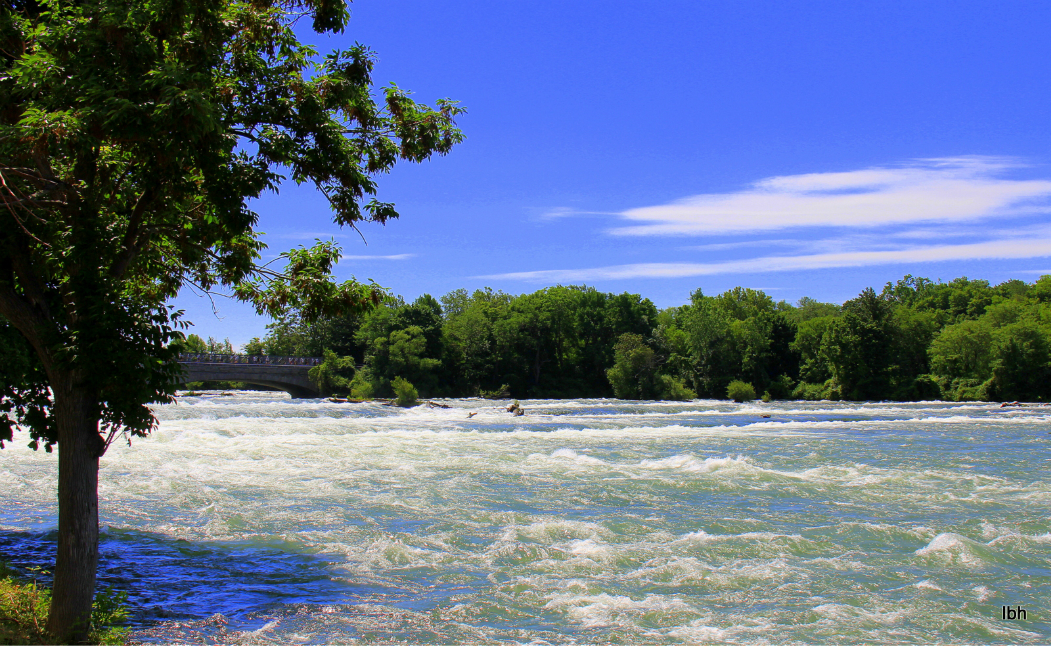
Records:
x=916, y=339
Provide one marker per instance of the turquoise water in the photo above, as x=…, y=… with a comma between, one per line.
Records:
x=256, y=518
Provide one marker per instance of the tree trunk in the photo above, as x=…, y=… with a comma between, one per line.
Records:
x=79, y=444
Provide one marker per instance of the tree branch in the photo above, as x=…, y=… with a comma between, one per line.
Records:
x=135, y=239
x=11, y=204
x=27, y=320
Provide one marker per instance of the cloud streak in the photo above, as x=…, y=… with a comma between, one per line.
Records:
x=933, y=190
x=397, y=256
x=1001, y=249
x=560, y=212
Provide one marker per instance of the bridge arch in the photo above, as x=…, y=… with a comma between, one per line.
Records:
x=281, y=373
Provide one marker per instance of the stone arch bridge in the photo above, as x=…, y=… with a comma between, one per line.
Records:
x=281, y=373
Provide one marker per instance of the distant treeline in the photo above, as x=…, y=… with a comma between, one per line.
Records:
x=914, y=340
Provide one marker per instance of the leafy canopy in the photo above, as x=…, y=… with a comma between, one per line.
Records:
x=133, y=136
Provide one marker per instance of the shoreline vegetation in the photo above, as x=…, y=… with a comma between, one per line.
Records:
x=514, y=406
x=915, y=340
x=25, y=603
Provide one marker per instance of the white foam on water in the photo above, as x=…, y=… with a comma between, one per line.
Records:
x=589, y=548
x=692, y=464
x=602, y=610
x=265, y=628
x=700, y=536
x=387, y=553
x=886, y=532
x=743, y=466
x=842, y=563
x=278, y=402
x=749, y=630
x=846, y=613
x=696, y=633
x=850, y=476
x=964, y=419
x=550, y=531
x=636, y=522
x=991, y=532
x=732, y=577
x=740, y=574
x=703, y=537
x=953, y=548
x=925, y=584
x=574, y=456
x=677, y=571
x=768, y=409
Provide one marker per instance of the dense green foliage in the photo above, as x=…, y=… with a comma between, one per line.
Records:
x=740, y=391
x=405, y=392
x=636, y=373
x=334, y=374
x=962, y=340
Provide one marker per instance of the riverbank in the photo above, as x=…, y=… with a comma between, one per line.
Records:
x=24, y=606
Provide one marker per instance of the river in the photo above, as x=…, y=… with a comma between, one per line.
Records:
x=254, y=518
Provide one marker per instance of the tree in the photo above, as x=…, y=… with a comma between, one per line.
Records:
x=193, y=343
x=1002, y=355
x=712, y=352
x=673, y=343
x=1021, y=363
x=475, y=349
x=405, y=393
x=808, y=308
x=740, y=391
x=911, y=333
x=333, y=374
x=132, y=135
x=635, y=371
x=739, y=334
x=856, y=347
x=293, y=335
x=403, y=354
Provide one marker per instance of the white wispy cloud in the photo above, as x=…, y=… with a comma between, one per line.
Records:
x=397, y=256
x=932, y=190
x=747, y=244
x=560, y=212
x=812, y=245
x=976, y=231
x=1003, y=248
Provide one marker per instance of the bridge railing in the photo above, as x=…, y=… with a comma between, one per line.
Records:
x=247, y=359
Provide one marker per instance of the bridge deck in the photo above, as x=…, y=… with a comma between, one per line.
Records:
x=284, y=373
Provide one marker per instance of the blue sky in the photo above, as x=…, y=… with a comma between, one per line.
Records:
x=806, y=149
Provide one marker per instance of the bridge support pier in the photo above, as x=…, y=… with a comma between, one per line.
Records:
x=300, y=393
